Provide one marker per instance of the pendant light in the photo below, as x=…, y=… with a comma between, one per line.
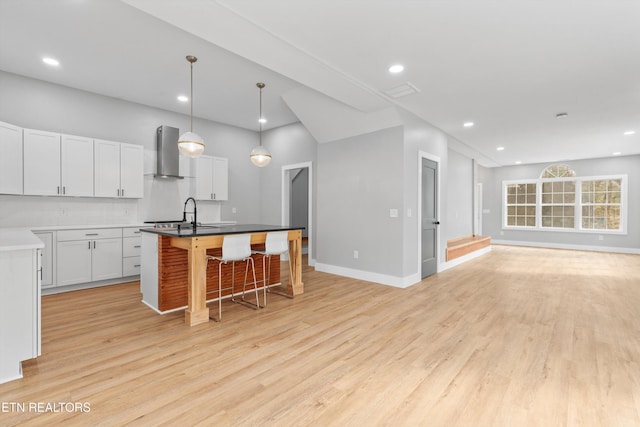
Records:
x=260, y=156
x=191, y=144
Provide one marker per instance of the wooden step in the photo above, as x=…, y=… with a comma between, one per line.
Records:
x=465, y=245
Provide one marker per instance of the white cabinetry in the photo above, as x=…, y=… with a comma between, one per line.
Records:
x=212, y=178
x=88, y=255
x=11, y=159
x=76, y=166
x=118, y=169
x=46, y=255
x=19, y=310
x=57, y=164
x=131, y=251
x=41, y=163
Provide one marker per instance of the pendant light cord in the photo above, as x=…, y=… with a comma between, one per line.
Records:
x=191, y=97
x=260, y=118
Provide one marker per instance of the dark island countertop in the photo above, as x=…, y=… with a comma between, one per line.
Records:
x=219, y=230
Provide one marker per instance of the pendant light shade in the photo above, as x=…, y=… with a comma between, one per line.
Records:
x=260, y=156
x=191, y=144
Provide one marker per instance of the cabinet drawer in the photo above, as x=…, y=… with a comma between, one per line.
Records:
x=131, y=246
x=131, y=232
x=89, y=234
x=131, y=266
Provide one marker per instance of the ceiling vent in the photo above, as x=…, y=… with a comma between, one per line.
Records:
x=402, y=90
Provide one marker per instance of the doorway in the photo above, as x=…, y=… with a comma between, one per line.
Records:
x=429, y=183
x=297, y=202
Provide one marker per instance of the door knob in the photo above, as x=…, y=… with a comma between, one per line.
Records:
x=436, y=222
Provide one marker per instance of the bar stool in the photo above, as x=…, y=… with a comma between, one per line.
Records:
x=277, y=243
x=236, y=247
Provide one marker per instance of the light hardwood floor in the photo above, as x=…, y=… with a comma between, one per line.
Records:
x=517, y=337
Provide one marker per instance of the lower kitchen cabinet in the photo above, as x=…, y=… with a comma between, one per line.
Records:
x=88, y=255
x=47, y=257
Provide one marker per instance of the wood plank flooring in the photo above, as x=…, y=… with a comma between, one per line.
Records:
x=517, y=337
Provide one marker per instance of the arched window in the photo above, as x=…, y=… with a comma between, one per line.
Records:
x=557, y=171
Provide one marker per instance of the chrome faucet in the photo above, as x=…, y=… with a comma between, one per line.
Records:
x=195, y=213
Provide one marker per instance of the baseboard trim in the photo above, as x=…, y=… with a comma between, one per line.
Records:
x=383, y=279
x=633, y=251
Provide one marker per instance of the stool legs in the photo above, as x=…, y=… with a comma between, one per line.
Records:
x=244, y=286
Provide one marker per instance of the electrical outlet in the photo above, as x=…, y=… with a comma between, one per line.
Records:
x=355, y=254
x=393, y=213
x=233, y=210
x=409, y=213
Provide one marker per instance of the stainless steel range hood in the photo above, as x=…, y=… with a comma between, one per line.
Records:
x=168, y=155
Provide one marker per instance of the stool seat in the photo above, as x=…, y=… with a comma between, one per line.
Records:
x=235, y=247
x=277, y=243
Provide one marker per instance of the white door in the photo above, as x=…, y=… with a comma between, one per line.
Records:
x=107, y=259
x=73, y=262
x=77, y=166
x=131, y=171
x=41, y=163
x=11, y=159
x=204, y=178
x=106, y=168
x=220, y=178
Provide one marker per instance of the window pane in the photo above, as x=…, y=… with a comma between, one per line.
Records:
x=531, y=188
x=531, y=222
x=569, y=211
x=557, y=198
x=546, y=221
x=614, y=197
x=587, y=197
x=531, y=211
x=546, y=210
x=546, y=187
x=557, y=211
x=520, y=220
x=570, y=187
x=568, y=223
x=511, y=220
x=547, y=198
x=557, y=187
x=557, y=222
x=531, y=199
x=521, y=199
x=511, y=200
x=600, y=197
x=569, y=198
x=511, y=210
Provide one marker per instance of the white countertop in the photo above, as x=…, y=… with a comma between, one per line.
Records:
x=16, y=239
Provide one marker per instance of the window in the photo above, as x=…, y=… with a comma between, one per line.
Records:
x=601, y=204
x=521, y=205
x=561, y=201
x=557, y=171
x=558, y=204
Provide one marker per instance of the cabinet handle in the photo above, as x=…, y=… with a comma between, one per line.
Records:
x=64, y=189
x=58, y=190
x=89, y=244
x=211, y=196
x=118, y=190
x=214, y=196
x=136, y=246
x=122, y=192
x=136, y=265
x=136, y=232
x=91, y=234
x=94, y=244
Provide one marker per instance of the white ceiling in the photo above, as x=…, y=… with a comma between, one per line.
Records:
x=508, y=66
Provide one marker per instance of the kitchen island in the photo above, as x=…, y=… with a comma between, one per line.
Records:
x=174, y=261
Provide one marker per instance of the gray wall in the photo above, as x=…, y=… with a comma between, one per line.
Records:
x=492, y=200
x=459, y=197
x=359, y=181
x=299, y=200
x=40, y=105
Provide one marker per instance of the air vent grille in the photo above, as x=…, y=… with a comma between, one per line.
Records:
x=402, y=90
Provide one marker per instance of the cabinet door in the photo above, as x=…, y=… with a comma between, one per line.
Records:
x=73, y=262
x=47, y=258
x=106, y=168
x=131, y=171
x=41, y=163
x=204, y=178
x=107, y=259
x=220, y=178
x=11, y=159
x=77, y=166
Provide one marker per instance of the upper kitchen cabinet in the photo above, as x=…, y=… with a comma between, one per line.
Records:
x=41, y=163
x=77, y=166
x=57, y=165
x=212, y=178
x=119, y=169
x=11, y=159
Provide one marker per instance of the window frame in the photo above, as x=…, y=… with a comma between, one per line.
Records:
x=577, y=205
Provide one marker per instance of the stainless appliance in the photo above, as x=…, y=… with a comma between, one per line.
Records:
x=168, y=155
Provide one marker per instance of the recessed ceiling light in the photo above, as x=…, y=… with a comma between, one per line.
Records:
x=468, y=124
x=183, y=98
x=397, y=68
x=51, y=61
x=561, y=115
x=500, y=148
x=262, y=120
x=630, y=132
x=518, y=162
x=617, y=153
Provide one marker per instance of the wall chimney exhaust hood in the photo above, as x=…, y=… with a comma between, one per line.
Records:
x=168, y=155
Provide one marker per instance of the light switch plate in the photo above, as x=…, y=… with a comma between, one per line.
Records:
x=393, y=213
